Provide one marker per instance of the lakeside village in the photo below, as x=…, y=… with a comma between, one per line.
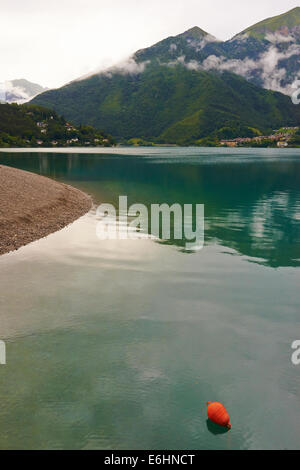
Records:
x=281, y=138
x=26, y=126
x=35, y=126
x=74, y=137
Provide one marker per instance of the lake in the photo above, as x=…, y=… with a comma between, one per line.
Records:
x=119, y=344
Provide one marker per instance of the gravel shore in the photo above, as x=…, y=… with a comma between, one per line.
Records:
x=32, y=207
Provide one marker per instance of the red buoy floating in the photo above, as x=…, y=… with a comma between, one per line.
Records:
x=217, y=413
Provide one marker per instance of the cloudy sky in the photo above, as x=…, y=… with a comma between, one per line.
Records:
x=51, y=42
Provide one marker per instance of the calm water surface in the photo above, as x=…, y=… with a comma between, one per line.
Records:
x=120, y=344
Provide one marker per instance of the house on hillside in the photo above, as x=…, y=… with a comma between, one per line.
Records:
x=229, y=143
x=282, y=144
x=42, y=124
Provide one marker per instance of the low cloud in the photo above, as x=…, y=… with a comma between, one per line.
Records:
x=127, y=67
x=179, y=60
x=279, y=38
x=10, y=93
x=241, y=67
x=267, y=66
x=199, y=44
x=272, y=74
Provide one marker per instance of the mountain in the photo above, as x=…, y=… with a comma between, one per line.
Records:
x=171, y=104
x=19, y=91
x=266, y=54
x=35, y=126
x=193, y=44
x=190, y=87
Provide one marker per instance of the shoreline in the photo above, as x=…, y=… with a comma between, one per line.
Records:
x=101, y=150
x=34, y=206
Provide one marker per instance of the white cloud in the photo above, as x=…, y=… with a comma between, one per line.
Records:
x=193, y=65
x=267, y=64
x=199, y=44
x=241, y=67
x=278, y=38
x=127, y=67
x=272, y=75
x=179, y=60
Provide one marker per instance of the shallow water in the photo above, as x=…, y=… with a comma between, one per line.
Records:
x=120, y=344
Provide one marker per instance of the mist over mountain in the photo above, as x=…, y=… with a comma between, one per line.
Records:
x=193, y=86
x=267, y=54
x=19, y=91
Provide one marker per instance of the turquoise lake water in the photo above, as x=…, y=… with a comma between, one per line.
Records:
x=119, y=344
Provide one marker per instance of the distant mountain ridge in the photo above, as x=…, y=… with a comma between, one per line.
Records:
x=192, y=86
x=19, y=91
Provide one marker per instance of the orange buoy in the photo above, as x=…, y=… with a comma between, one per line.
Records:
x=218, y=414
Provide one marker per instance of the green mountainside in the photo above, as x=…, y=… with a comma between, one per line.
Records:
x=171, y=104
x=35, y=126
x=193, y=44
x=287, y=20
x=192, y=87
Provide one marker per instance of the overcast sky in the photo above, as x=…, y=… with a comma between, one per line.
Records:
x=51, y=42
